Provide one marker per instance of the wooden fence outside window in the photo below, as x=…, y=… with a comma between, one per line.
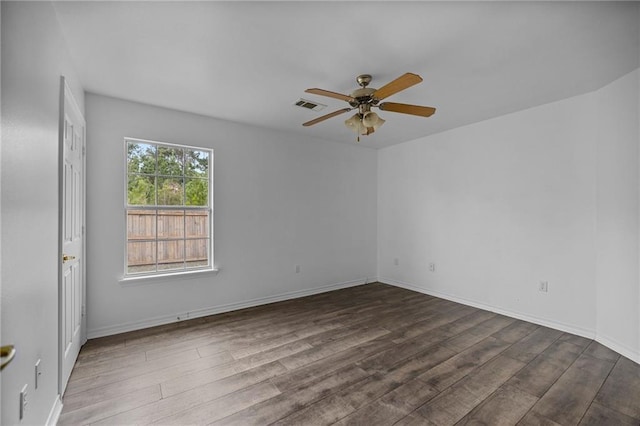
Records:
x=175, y=236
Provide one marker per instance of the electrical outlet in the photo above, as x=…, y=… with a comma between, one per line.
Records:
x=432, y=267
x=544, y=286
x=38, y=374
x=396, y=261
x=23, y=402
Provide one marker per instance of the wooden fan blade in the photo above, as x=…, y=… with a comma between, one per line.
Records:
x=403, y=82
x=324, y=117
x=330, y=94
x=422, y=111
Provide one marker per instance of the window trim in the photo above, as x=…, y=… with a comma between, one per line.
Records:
x=171, y=273
x=141, y=279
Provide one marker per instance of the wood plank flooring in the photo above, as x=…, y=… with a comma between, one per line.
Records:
x=367, y=355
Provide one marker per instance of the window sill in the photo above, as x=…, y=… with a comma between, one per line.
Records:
x=150, y=279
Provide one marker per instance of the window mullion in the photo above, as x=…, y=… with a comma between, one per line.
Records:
x=157, y=243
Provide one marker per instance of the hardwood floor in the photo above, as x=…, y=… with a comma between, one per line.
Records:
x=367, y=355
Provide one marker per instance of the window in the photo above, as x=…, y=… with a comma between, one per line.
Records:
x=168, y=208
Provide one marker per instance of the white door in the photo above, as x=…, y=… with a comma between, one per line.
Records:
x=72, y=135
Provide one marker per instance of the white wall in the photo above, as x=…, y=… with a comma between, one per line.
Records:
x=498, y=206
x=618, y=320
x=280, y=201
x=547, y=194
x=34, y=57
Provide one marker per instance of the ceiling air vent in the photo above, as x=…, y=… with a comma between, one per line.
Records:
x=314, y=106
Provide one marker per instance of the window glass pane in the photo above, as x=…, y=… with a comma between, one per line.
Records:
x=170, y=223
x=170, y=161
x=170, y=255
x=141, y=158
x=170, y=191
x=196, y=163
x=197, y=253
x=141, y=256
x=197, y=192
x=141, y=225
x=197, y=224
x=141, y=190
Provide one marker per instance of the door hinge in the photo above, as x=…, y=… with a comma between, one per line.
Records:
x=84, y=310
x=83, y=150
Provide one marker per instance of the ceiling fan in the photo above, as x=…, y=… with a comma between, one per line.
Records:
x=365, y=121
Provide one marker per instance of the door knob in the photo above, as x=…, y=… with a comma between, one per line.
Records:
x=67, y=257
x=7, y=353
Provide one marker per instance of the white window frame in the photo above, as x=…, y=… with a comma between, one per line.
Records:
x=169, y=272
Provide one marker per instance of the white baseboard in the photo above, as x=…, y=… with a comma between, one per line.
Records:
x=197, y=313
x=54, y=414
x=589, y=334
x=620, y=348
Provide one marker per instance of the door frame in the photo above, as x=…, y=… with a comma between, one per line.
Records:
x=67, y=95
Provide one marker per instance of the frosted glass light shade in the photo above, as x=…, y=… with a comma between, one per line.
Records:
x=370, y=119
x=353, y=122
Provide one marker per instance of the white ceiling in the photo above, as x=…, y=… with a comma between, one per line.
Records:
x=250, y=61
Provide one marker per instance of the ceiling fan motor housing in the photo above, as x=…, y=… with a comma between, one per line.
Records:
x=363, y=96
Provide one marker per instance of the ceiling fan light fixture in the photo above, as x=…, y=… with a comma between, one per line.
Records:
x=364, y=124
x=354, y=122
x=371, y=119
